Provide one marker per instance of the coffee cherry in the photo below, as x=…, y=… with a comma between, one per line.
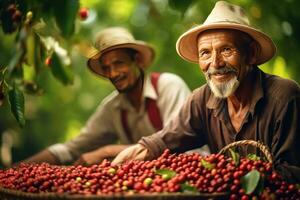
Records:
x=48, y=61
x=83, y=13
x=148, y=181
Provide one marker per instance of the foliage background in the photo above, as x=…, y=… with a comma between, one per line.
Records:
x=57, y=111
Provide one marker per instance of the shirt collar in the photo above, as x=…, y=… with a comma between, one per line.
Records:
x=148, y=92
x=216, y=104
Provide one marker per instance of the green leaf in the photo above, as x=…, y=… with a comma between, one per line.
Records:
x=167, y=173
x=59, y=71
x=65, y=14
x=207, y=165
x=261, y=186
x=250, y=181
x=185, y=187
x=252, y=156
x=16, y=100
x=235, y=156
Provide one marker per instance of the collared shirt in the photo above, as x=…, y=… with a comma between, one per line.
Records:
x=273, y=119
x=105, y=127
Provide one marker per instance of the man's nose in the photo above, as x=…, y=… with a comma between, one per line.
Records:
x=217, y=60
x=113, y=72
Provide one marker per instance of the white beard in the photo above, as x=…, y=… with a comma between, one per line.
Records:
x=224, y=89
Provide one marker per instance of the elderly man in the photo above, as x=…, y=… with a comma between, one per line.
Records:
x=142, y=104
x=239, y=100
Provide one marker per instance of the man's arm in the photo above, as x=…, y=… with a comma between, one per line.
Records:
x=286, y=140
x=98, y=131
x=134, y=152
x=106, y=152
x=43, y=156
x=181, y=134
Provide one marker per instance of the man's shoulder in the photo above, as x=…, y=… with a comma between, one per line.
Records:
x=201, y=93
x=171, y=82
x=279, y=87
x=168, y=77
x=110, y=99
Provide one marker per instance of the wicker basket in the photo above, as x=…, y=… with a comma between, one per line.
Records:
x=259, y=145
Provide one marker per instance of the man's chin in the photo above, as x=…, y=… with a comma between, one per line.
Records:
x=223, y=90
x=124, y=89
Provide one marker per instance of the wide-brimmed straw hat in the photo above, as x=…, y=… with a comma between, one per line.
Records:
x=116, y=38
x=224, y=16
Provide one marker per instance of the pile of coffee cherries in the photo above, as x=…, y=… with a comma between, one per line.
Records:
x=169, y=173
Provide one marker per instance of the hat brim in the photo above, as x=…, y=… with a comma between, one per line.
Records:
x=146, y=51
x=186, y=45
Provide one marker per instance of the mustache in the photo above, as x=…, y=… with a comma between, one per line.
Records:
x=223, y=70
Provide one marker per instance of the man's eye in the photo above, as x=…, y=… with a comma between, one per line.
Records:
x=227, y=50
x=119, y=62
x=104, y=68
x=204, y=54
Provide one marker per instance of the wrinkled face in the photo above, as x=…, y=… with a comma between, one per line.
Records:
x=120, y=67
x=223, y=60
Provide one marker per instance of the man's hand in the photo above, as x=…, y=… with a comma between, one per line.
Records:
x=135, y=152
x=90, y=158
x=96, y=156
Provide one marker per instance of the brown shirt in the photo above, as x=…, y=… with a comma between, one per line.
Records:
x=273, y=118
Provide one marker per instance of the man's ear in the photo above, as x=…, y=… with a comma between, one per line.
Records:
x=138, y=58
x=254, y=51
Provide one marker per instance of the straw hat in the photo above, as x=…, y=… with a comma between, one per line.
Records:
x=116, y=38
x=224, y=16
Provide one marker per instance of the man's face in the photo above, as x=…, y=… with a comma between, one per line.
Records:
x=121, y=69
x=222, y=60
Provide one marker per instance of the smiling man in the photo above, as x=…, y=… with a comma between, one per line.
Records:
x=239, y=101
x=141, y=104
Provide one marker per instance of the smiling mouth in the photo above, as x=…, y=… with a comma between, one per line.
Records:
x=221, y=77
x=118, y=79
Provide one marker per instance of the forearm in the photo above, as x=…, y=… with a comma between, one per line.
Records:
x=112, y=150
x=43, y=156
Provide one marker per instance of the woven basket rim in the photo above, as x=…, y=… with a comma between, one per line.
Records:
x=258, y=144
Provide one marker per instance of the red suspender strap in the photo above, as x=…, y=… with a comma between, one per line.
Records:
x=151, y=106
x=152, y=110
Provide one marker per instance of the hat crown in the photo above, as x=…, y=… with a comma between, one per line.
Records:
x=113, y=36
x=226, y=12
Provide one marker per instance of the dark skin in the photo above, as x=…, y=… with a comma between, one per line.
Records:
x=122, y=68
x=124, y=74
x=220, y=48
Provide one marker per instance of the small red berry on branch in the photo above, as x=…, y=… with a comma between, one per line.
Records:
x=48, y=61
x=83, y=13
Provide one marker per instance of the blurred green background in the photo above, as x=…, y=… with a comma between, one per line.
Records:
x=58, y=99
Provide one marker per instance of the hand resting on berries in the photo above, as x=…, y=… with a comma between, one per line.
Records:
x=135, y=152
x=96, y=157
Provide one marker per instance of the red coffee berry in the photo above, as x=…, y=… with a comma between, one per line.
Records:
x=83, y=13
